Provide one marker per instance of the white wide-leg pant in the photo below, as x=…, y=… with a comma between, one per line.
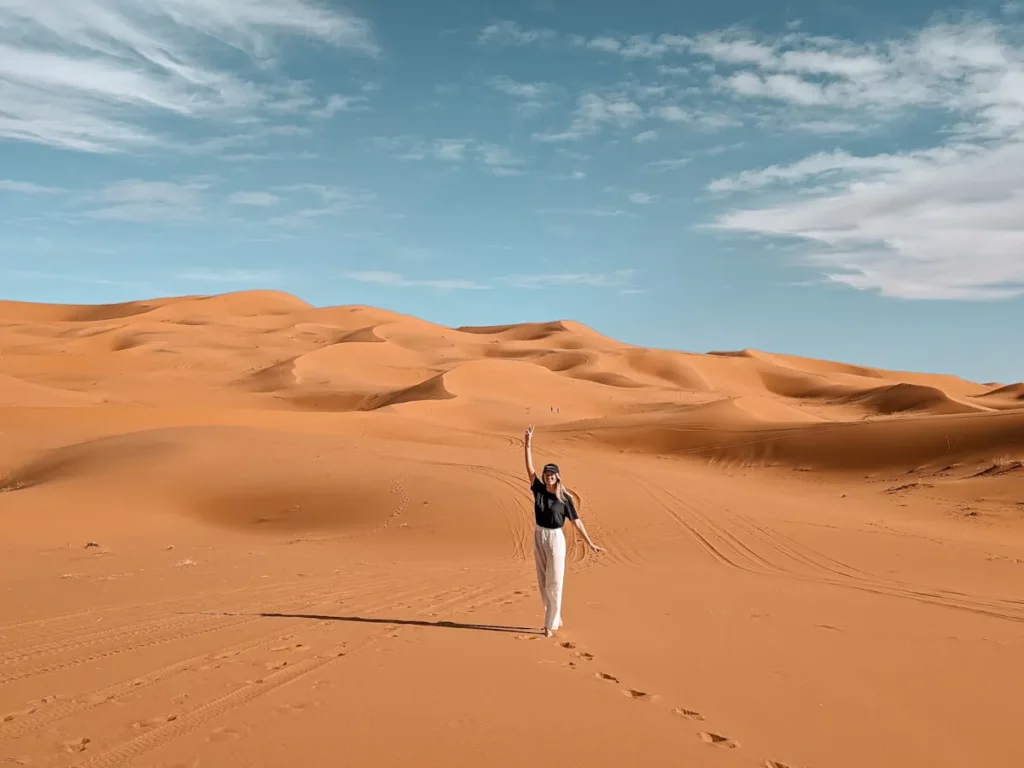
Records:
x=549, y=555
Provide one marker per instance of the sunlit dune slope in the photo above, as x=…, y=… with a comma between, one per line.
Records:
x=269, y=351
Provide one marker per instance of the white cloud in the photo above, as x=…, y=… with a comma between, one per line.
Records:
x=832, y=163
x=337, y=104
x=600, y=213
x=143, y=201
x=26, y=188
x=636, y=46
x=235, y=276
x=328, y=201
x=94, y=74
x=826, y=127
x=642, y=198
x=494, y=158
x=672, y=114
x=645, y=136
x=669, y=164
x=593, y=112
x=939, y=225
x=511, y=33
x=617, y=279
x=941, y=222
x=531, y=98
x=453, y=150
x=528, y=91
x=397, y=280
x=257, y=199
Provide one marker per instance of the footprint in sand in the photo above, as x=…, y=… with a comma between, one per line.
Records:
x=526, y=637
x=717, y=740
x=154, y=721
x=15, y=715
x=774, y=764
x=272, y=665
x=636, y=695
x=584, y=655
x=78, y=745
x=568, y=645
x=606, y=676
x=100, y=698
x=689, y=714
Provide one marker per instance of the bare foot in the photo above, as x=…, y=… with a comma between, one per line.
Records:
x=548, y=632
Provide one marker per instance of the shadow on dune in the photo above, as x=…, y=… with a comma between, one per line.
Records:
x=402, y=622
x=86, y=457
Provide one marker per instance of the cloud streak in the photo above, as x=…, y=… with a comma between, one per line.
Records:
x=619, y=279
x=26, y=188
x=397, y=280
x=940, y=222
x=148, y=201
x=96, y=75
x=256, y=199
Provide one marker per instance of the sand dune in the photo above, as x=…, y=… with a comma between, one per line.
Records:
x=233, y=527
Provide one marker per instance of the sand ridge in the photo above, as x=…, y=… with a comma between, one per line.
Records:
x=243, y=530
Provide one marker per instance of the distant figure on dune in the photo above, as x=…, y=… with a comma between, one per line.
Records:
x=552, y=505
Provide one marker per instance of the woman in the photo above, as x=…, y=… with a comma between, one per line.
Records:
x=552, y=504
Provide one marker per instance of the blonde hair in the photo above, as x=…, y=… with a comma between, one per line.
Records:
x=563, y=493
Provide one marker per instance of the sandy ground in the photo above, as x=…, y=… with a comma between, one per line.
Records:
x=242, y=531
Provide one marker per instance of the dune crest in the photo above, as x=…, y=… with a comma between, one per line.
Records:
x=270, y=350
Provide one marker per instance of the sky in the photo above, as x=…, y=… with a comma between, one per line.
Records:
x=828, y=178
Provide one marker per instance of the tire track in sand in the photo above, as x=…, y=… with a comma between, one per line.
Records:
x=185, y=723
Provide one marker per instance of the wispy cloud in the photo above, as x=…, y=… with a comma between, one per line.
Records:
x=398, y=280
x=527, y=91
x=645, y=136
x=939, y=222
x=337, y=104
x=493, y=158
x=30, y=274
x=669, y=164
x=257, y=199
x=234, y=276
x=593, y=112
x=600, y=213
x=642, y=198
x=26, y=188
x=92, y=75
x=634, y=46
x=619, y=279
x=147, y=201
x=321, y=201
x=512, y=33
x=530, y=98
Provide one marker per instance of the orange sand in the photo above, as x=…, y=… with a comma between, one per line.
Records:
x=242, y=531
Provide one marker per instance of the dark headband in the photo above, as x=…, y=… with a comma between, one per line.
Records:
x=551, y=468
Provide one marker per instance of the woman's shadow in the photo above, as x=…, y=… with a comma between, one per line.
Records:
x=403, y=622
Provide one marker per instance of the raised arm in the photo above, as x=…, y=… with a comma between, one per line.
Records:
x=527, y=449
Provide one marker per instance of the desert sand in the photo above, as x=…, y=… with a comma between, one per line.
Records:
x=239, y=530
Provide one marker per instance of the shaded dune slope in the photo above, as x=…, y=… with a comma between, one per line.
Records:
x=272, y=351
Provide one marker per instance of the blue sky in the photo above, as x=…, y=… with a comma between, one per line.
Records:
x=834, y=179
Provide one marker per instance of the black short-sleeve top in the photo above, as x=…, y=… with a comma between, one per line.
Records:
x=548, y=510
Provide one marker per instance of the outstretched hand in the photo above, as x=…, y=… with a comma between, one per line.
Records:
x=529, y=434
